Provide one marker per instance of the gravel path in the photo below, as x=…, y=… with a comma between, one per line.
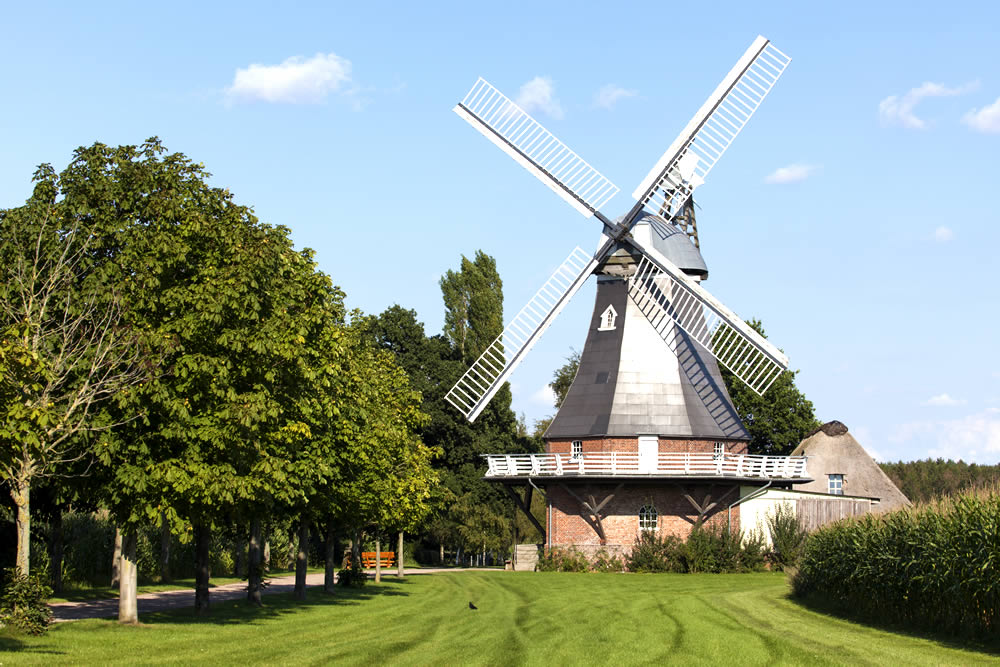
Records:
x=164, y=600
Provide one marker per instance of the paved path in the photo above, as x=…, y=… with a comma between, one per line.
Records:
x=153, y=602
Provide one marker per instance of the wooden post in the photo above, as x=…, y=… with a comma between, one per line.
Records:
x=399, y=557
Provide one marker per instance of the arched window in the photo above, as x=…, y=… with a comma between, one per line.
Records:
x=647, y=517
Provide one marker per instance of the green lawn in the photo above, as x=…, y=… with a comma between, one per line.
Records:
x=523, y=618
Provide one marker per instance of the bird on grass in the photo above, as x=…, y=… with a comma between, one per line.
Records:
x=472, y=606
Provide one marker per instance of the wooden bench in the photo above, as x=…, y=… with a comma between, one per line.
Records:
x=387, y=558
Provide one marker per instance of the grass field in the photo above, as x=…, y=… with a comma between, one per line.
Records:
x=523, y=618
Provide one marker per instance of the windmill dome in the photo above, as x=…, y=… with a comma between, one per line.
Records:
x=667, y=238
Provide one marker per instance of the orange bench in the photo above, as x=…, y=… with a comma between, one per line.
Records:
x=387, y=558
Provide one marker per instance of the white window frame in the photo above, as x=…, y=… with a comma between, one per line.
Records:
x=649, y=518
x=608, y=318
x=835, y=484
x=719, y=450
x=576, y=450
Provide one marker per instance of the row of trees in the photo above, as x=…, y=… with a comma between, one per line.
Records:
x=922, y=481
x=167, y=356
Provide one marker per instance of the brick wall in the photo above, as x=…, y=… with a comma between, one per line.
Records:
x=571, y=526
x=631, y=445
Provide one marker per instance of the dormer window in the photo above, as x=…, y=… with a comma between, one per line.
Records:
x=608, y=319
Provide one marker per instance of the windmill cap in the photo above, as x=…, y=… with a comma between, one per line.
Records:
x=672, y=242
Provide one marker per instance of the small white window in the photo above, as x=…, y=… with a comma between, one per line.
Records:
x=608, y=319
x=837, y=484
x=720, y=449
x=577, y=450
x=647, y=517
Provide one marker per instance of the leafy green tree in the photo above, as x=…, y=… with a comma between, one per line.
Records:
x=564, y=376
x=776, y=421
x=64, y=342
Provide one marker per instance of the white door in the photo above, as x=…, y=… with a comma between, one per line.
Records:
x=648, y=450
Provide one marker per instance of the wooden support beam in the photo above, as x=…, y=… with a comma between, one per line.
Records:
x=525, y=506
x=593, y=507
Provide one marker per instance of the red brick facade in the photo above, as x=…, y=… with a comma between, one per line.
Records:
x=569, y=525
x=631, y=445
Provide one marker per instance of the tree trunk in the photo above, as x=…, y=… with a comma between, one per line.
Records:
x=20, y=492
x=56, y=552
x=378, y=559
x=329, y=554
x=255, y=569
x=356, y=549
x=116, y=558
x=128, y=605
x=165, y=538
x=202, y=539
x=302, y=560
x=267, y=553
x=441, y=553
x=240, y=561
x=399, y=557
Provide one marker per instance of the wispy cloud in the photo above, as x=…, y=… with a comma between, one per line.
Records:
x=793, y=173
x=899, y=109
x=539, y=95
x=544, y=396
x=975, y=437
x=297, y=80
x=943, y=400
x=608, y=96
x=943, y=234
x=986, y=119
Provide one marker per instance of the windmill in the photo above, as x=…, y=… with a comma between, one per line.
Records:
x=665, y=293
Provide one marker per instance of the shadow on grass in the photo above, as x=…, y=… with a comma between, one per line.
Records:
x=276, y=605
x=990, y=646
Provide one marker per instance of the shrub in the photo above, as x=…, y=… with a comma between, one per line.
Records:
x=932, y=567
x=563, y=560
x=22, y=605
x=788, y=537
x=652, y=553
x=608, y=562
x=352, y=576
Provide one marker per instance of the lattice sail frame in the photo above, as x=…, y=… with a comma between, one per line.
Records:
x=685, y=165
x=536, y=149
x=666, y=296
x=479, y=384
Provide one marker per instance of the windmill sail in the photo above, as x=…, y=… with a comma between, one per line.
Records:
x=535, y=148
x=699, y=146
x=666, y=295
x=475, y=389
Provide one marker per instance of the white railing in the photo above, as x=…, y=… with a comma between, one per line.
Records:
x=603, y=464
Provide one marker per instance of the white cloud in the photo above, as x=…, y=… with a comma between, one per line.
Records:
x=943, y=401
x=544, y=396
x=793, y=173
x=609, y=95
x=986, y=119
x=898, y=110
x=943, y=234
x=975, y=437
x=539, y=94
x=295, y=81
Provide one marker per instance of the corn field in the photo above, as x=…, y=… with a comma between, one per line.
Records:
x=935, y=566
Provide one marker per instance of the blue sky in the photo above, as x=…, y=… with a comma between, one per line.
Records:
x=872, y=262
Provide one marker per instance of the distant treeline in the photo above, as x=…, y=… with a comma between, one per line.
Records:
x=921, y=481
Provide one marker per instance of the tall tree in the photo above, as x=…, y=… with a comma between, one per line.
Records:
x=776, y=421
x=64, y=339
x=563, y=377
